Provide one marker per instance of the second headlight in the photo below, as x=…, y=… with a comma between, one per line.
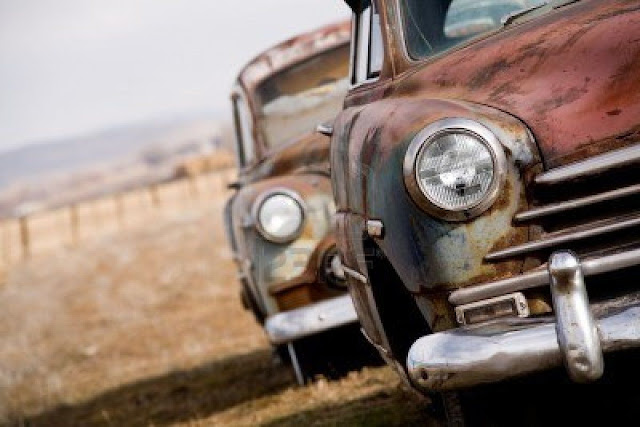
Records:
x=279, y=216
x=454, y=169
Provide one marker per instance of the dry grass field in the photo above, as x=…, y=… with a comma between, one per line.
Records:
x=147, y=329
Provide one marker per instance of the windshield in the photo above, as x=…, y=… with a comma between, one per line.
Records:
x=295, y=101
x=433, y=26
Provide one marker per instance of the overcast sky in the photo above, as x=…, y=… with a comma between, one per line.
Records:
x=69, y=67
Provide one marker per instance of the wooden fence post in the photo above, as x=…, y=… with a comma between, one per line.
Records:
x=25, y=239
x=153, y=193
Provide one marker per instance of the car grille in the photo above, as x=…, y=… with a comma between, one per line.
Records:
x=591, y=207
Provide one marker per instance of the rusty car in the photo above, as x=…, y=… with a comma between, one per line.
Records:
x=485, y=172
x=279, y=221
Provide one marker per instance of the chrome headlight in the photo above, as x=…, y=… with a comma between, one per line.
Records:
x=454, y=169
x=279, y=215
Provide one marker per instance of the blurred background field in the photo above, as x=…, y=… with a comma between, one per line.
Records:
x=119, y=299
x=44, y=231
x=144, y=326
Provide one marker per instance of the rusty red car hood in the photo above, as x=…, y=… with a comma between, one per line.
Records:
x=573, y=76
x=310, y=153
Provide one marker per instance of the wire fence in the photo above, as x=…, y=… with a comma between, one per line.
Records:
x=66, y=227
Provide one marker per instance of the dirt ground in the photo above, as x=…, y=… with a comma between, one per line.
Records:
x=147, y=329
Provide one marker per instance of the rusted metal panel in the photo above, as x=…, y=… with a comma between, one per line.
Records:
x=371, y=171
x=426, y=253
x=283, y=275
x=265, y=264
x=309, y=154
x=569, y=78
x=348, y=229
x=570, y=75
x=283, y=56
x=292, y=51
x=554, y=87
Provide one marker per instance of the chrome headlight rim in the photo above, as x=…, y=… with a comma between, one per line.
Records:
x=432, y=133
x=259, y=202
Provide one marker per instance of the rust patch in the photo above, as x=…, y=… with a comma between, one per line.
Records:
x=292, y=51
x=570, y=95
x=510, y=239
x=503, y=91
x=593, y=148
x=624, y=82
x=613, y=14
x=488, y=73
x=302, y=295
x=503, y=201
x=560, y=73
x=442, y=315
x=309, y=153
x=539, y=303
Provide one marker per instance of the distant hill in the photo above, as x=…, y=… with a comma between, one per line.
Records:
x=46, y=175
x=34, y=161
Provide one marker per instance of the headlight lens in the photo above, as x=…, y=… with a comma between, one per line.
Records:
x=280, y=217
x=455, y=171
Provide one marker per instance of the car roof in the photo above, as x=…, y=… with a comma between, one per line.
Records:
x=292, y=51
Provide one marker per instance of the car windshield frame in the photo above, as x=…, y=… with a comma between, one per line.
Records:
x=366, y=42
x=334, y=90
x=243, y=125
x=437, y=47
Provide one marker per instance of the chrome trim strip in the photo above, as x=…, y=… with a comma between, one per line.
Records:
x=565, y=236
x=576, y=203
x=354, y=274
x=291, y=325
x=483, y=291
x=533, y=279
x=575, y=326
x=470, y=356
x=519, y=300
x=612, y=160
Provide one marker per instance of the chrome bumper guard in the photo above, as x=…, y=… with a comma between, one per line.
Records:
x=470, y=356
x=312, y=319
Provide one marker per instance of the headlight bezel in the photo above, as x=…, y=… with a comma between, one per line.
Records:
x=451, y=126
x=264, y=197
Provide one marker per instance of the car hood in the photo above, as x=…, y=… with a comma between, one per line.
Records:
x=309, y=153
x=570, y=75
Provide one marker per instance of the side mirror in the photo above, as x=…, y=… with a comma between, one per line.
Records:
x=325, y=129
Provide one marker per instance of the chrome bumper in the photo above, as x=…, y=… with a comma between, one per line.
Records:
x=291, y=325
x=469, y=356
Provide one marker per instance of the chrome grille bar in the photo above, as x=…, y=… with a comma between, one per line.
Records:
x=565, y=236
x=540, y=277
x=577, y=203
x=612, y=160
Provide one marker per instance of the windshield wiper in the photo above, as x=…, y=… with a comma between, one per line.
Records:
x=510, y=18
x=552, y=4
